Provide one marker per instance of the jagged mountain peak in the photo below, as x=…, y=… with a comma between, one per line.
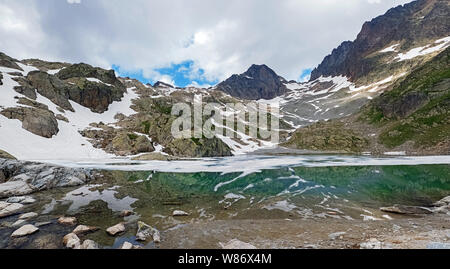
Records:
x=413, y=25
x=258, y=82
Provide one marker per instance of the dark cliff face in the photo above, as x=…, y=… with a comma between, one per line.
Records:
x=410, y=24
x=259, y=82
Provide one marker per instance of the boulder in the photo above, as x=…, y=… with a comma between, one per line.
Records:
x=28, y=177
x=143, y=145
x=38, y=121
x=25, y=200
x=179, y=213
x=89, y=244
x=83, y=229
x=27, y=216
x=70, y=221
x=127, y=245
x=146, y=231
x=15, y=188
x=19, y=223
x=71, y=241
x=126, y=213
x=237, y=244
x=116, y=229
x=25, y=230
x=8, y=209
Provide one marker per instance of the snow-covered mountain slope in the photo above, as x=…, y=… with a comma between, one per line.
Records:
x=68, y=143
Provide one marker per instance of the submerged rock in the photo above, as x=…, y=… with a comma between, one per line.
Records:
x=19, y=223
x=126, y=213
x=21, y=199
x=27, y=216
x=25, y=230
x=67, y=221
x=83, y=229
x=9, y=209
x=116, y=229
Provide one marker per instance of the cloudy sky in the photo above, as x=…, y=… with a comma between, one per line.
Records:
x=184, y=42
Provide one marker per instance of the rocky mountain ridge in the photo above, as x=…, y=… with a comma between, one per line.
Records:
x=409, y=26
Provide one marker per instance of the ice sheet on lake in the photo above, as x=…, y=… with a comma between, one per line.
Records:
x=248, y=164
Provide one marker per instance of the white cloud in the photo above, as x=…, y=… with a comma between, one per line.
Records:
x=221, y=37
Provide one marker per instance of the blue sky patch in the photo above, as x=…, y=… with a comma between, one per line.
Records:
x=305, y=75
x=183, y=74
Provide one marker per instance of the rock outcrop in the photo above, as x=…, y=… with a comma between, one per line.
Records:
x=258, y=82
x=38, y=121
x=9, y=62
x=5, y=155
x=24, y=178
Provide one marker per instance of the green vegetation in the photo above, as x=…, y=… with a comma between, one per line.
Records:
x=132, y=136
x=417, y=108
x=146, y=127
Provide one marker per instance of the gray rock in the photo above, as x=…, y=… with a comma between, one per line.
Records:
x=25, y=230
x=8, y=209
x=19, y=223
x=127, y=245
x=27, y=216
x=14, y=188
x=29, y=177
x=38, y=121
x=41, y=224
x=116, y=229
x=21, y=200
x=83, y=229
x=71, y=221
x=89, y=244
x=179, y=213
